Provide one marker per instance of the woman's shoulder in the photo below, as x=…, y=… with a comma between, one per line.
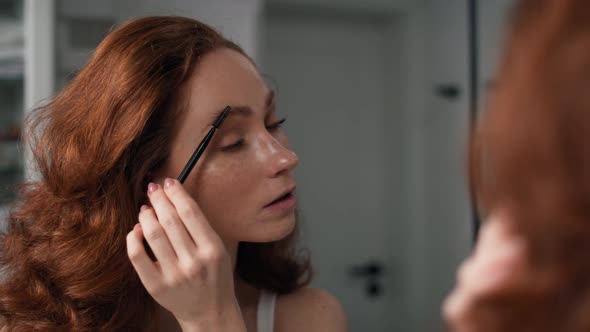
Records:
x=309, y=309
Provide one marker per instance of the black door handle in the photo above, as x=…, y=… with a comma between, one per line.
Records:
x=371, y=272
x=367, y=270
x=448, y=91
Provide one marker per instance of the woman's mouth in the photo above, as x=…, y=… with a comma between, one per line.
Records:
x=284, y=203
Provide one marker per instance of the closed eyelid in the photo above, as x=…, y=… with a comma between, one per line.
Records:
x=246, y=111
x=238, y=124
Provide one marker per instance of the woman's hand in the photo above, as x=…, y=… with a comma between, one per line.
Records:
x=498, y=256
x=193, y=277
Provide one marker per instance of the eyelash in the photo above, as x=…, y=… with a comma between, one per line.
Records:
x=275, y=126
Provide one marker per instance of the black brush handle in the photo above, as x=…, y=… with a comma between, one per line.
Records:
x=196, y=155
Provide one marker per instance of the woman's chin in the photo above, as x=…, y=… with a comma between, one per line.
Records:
x=273, y=230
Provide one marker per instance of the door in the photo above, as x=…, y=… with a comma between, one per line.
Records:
x=334, y=77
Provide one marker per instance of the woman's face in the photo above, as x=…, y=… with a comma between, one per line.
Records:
x=248, y=165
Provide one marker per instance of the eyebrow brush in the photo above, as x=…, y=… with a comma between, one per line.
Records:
x=203, y=145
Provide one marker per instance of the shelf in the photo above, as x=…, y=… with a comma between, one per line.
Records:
x=11, y=77
x=9, y=138
x=11, y=53
x=13, y=135
x=11, y=9
x=9, y=183
x=12, y=88
x=11, y=63
x=3, y=215
x=9, y=170
x=10, y=142
x=6, y=201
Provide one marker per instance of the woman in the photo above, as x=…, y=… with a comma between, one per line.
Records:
x=531, y=268
x=112, y=142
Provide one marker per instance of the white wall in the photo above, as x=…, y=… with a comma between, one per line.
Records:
x=414, y=58
x=434, y=130
x=387, y=5
x=236, y=19
x=448, y=231
x=39, y=60
x=447, y=234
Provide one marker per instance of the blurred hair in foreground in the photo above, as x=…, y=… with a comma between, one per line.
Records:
x=530, y=155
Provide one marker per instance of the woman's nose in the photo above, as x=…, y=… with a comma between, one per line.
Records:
x=280, y=158
x=286, y=162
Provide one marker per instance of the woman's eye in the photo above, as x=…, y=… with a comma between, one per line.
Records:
x=276, y=125
x=233, y=147
x=237, y=145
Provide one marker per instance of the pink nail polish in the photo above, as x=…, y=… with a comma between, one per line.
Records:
x=168, y=183
x=144, y=207
x=152, y=187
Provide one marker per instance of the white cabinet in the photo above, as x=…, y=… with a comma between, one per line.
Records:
x=11, y=96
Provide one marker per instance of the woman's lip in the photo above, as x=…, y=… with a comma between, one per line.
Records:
x=284, y=193
x=286, y=204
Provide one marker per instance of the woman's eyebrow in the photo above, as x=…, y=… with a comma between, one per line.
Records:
x=244, y=110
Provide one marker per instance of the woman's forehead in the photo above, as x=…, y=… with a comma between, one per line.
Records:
x=225, y=77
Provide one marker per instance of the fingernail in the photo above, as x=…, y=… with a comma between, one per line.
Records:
x=143, y=207
x=152, y=187
x=168, y=183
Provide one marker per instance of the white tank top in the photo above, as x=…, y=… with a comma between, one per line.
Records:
x=265, y=317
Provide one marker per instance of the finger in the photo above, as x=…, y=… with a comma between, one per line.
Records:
x=180, y=239
x=500, y=246
x=157, y=239
x=486, y=237
x=146, y=270
x=488, y=278
x=497, y=231
x=481, y=275
x=455, y=310
x=191, y=215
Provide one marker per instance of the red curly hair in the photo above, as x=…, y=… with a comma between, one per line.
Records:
x=531, y=156
x=63, y=254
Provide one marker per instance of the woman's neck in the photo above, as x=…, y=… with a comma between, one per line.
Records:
x=246, y=294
